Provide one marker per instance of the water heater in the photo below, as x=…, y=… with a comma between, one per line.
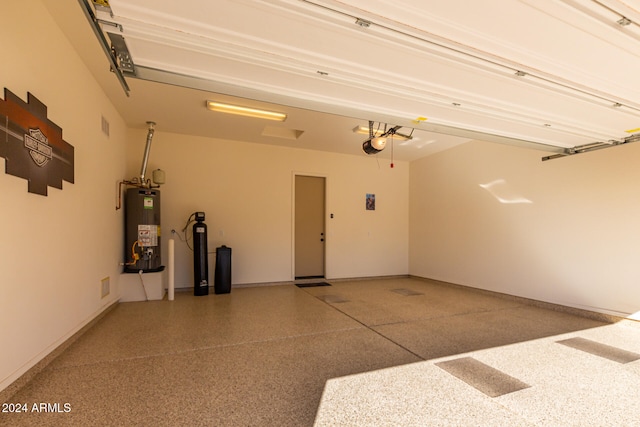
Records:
x=142, y=230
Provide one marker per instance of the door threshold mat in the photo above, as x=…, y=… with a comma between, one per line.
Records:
x=312, y=285
x=484, y=378
x=608, y=352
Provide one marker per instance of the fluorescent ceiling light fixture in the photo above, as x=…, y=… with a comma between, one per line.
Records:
x=364, y=130
x=246, y=111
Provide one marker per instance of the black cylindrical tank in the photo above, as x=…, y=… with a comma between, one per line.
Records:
x=200, y=261
x=142, y=230
x=222, y=275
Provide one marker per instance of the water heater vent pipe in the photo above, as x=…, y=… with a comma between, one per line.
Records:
x=147, y=148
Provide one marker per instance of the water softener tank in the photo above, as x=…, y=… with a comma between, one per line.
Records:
x=200, y=261
x=142, y=230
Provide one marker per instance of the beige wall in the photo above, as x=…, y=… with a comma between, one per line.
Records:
x=564, y=231
x=55, y=250
x=246, y=191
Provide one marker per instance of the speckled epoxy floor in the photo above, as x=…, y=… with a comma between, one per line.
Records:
x=359, y=353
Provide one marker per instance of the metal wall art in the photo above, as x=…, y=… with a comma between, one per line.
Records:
x=32, y=145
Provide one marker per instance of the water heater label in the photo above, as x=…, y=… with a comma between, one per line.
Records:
x=148, y=203
x=147, y=235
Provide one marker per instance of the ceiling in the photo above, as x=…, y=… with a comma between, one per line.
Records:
x=554, y=75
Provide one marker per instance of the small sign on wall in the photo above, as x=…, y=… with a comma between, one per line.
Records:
x=32, y=145
x=371, y=202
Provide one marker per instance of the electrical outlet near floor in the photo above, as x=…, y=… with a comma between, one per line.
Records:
x=105, y=287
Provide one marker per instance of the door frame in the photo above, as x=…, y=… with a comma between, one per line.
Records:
x=293, y=219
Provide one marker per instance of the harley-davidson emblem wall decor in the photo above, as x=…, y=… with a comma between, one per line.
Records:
x=32, y=145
